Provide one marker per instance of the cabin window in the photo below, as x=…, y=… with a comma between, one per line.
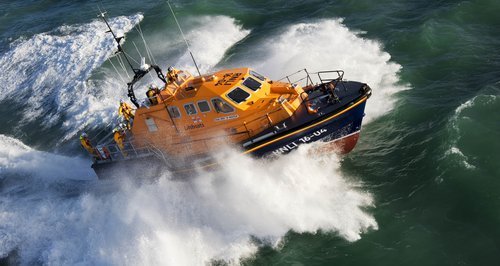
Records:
x=150, y=122
x=252, y=84
x=174, y=111
x=190, y=109
x=257, y=75
x=221, y=106
x=238, y=95
x=204, y=106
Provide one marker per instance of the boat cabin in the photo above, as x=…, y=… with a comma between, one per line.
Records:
x=194, y=115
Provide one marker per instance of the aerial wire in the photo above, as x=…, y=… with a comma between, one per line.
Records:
x=123, y=80
x=184, y=37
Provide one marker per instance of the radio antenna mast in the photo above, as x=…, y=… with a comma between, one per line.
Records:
x=118, y=40
x=184, y=37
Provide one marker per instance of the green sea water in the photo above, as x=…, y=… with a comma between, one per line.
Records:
x=422, y=186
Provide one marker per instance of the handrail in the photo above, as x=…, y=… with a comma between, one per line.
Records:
x=309, y=79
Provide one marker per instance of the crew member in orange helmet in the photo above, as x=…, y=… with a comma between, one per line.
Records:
x=172, y=75
x=87, y=145
x=126, y=111
x=119, y=137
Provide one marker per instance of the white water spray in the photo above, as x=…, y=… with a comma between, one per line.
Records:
x=329, y=45
x=211, y=216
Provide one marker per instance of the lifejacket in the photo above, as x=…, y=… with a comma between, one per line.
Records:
x=119, y=137
x=172, y=76
x=125, y=110
x=85, y=142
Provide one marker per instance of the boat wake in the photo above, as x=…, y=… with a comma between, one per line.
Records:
x=47, y=74
x=211, y=216
x=20, y=160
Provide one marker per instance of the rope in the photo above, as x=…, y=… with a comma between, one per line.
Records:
x=135, y=61
x=122, y=64
x=123, y=80
x=148, y=50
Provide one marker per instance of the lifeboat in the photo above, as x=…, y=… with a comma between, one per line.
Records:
x=189, y=120
x=183, y=125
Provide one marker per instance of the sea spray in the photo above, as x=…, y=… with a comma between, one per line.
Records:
x=210, y=38
x=19, y=159
x=212, y=215
x=329, y=45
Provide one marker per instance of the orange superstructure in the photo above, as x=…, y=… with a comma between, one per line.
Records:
x=182, y=124
x=197, y=115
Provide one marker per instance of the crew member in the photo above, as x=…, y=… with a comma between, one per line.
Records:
x=172, y=75
x=151, y=94
x=87, y=145
x=125, y=111
x=119, y=137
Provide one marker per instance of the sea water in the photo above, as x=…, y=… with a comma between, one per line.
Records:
x=420, y=188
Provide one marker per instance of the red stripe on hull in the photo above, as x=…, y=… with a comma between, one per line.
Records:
x=342, y=145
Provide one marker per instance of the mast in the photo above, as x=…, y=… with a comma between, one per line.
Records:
x=118, y=40
x=138, y=72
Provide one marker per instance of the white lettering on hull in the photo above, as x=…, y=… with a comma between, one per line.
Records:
x=306, y=139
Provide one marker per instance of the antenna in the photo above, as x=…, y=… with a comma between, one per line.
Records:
x=138, y=72
x=118, y=40
x=184, y=37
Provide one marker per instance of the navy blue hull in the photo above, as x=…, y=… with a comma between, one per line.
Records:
x=328, y=129
x=336, y=121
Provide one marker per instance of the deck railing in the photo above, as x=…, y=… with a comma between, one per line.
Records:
x=305, y=78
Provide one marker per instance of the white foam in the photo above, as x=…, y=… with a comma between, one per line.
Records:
x=47, y=73
x=192, y=222
x=209, y=39
x=329, y=45
x=17, y=158
x=454, y=151
x=454, y=127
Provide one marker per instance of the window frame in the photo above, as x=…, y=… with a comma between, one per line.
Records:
x=195, y=110
x=170, y=107
x=151, y=124
x=251, y=77
x=208, y=104
x=235, y=88
x=215, y=108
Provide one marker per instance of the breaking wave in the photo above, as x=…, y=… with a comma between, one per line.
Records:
x=329, y=45
x=47, y=74
x=474, y=117
x=210, y=50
